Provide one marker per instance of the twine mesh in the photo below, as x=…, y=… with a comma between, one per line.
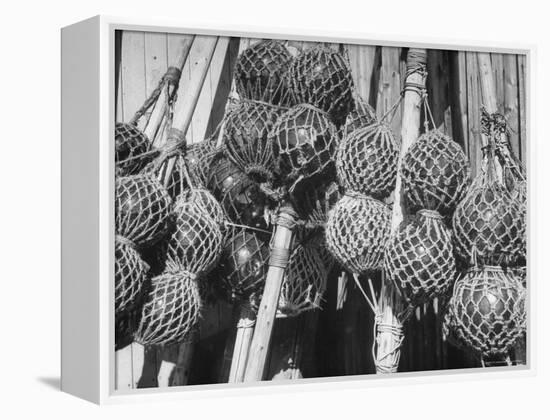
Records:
x=419, y=258
x=142, y=209
x=261, y=73
x=314, y=204
x=357, y=230
x=321, y=76
x=361, y=115
x=130, y=277
x=241, y=198
x=486, y=313
x=435, y=174
x=489, y=224
x=304, y=282
x=243, y=265
x=305, y=142
x=171, y=311
x=131, y=148
x=206, y=202
x=196, y=243
x=367, y=159
x=246, y=138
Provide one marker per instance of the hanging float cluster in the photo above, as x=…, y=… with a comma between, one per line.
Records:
x=299, y=134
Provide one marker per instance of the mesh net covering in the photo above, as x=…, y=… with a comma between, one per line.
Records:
x=142, y=209
x=171, y=311
x=240, y=197
x=314, y=204
x=204, y=200
x=243, y=265
x=435, y=174
x=419, y=258
x=357, y=230
x=487, y=311
x=305, y=142
x=489, y=223
x=130, y=277
x=361, y=115
x=321, y=76
x=199, y=157
x=304, y=281
x=246, y=138
x=261, y=73
x=131, y=147
x=366, y=161
x=196, y=243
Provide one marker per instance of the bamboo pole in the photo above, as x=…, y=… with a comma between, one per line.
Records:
x=280, y=253
x=159, y=110
x=391, y=305
x=185, y=107
x=243, y=339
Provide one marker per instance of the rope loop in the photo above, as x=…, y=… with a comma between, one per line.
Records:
x=279, y=257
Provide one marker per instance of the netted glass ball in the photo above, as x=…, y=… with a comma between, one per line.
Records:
x=357, y=231
x=130, y=277
x=489, y=225
x=142, y=209
x=171, y=311
x=435, y=174
x=366, y=161
x=304, y=282
x=419, y=258
x=304, y=141
x=244, y=264
x=321, y=76
x=246, y=138
x=195, y=245
x=261, y=73
x=486, y=312
x=131, y=149
x=360, y=116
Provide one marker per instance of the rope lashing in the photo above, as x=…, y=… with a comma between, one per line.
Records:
x=393, y=354
x=170, y=78
x=279, y=257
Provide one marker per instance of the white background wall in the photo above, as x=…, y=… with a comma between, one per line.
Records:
x=29, y=209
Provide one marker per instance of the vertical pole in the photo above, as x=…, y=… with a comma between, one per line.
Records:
x=243, y=339
x=280, y=254
x=389, y=323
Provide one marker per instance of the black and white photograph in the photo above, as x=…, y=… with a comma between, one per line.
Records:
x=288, y=210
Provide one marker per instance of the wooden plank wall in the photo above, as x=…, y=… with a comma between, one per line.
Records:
x=340, y=339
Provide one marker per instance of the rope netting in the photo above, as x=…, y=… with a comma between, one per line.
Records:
x=366, y=161
x=304, y=142
x=130, y=276
x=142, y=209
x=435, y=174
x=321, y=76
x=261, y=73
x=205, y=201
x=486, y=313
x=196, y=243
x=304, y=282
x=357, y=230
x=243, y=265
x=172, y=309
x=419, y=258
x=131, y=149
x=361, y=115
x=246, y=138
x=489, y=223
